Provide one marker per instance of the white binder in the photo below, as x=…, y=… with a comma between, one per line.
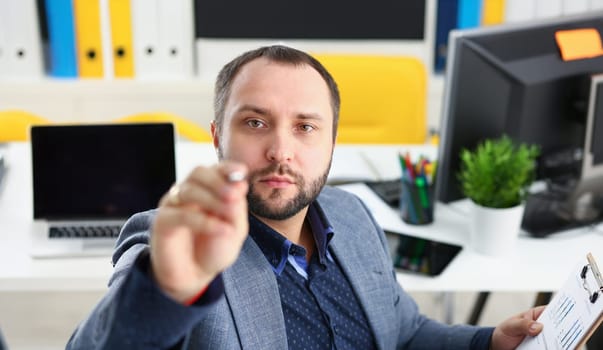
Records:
x=145, y=37
x=596, y=4
x=548, y=8
x=575, y=6
x=106, y=44
x=176, y=38
x=3, y=40
x=520, y=10
x=23, y=57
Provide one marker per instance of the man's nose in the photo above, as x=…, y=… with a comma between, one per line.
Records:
x=280, y=148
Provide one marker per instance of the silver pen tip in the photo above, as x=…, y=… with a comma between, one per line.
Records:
x=236, y=176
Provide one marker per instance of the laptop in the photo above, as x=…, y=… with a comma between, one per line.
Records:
x=89, y=179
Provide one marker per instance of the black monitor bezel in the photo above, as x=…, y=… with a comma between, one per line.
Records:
x=468, y=37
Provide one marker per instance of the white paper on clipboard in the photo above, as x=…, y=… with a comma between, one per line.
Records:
x=573, y=313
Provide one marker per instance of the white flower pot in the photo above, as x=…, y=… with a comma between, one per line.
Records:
x=494, y=231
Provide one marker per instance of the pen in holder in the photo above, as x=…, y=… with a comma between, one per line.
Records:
x=416, y=206
x=416, y=197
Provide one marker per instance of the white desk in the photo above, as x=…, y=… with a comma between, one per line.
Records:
x=536, y=264
x=18, y=271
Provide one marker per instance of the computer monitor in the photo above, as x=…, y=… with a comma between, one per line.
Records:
x=592, y=166
x=585, y=198
x=511, y=79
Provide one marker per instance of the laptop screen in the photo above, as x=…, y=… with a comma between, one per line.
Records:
x=108, y=171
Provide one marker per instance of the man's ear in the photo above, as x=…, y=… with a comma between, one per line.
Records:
x=214, y=134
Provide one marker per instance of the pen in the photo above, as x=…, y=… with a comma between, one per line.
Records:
x=409, y=167
x=429, y=172
x=407, y=200
x=595, y=269
x=420, y=182
x=235, y=176
x=402, y=164
x=422, y=188
x=417, y=201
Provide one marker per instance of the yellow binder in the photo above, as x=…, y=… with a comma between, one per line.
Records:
x=121, y=38
x=89, y=51
x=493, y=12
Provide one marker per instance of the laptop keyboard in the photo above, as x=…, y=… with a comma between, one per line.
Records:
x=84, y=231
x=387, y=190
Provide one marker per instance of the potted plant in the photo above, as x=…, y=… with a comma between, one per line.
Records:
x=496, y=177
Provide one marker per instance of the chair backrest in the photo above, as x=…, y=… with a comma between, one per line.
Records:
x=383, y=98
x=184, y=127
x=15, y=125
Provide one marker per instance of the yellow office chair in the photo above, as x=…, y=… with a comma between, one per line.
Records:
x=184, y=127
x=15, y=124
x=383, y=98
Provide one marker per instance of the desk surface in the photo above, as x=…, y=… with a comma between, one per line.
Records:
x=535, y=265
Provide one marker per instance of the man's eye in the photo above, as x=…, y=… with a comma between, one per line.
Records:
x=306, y=127
x=254, y=123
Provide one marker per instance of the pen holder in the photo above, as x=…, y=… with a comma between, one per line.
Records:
x=416, y=201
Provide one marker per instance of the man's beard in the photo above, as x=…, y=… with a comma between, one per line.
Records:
x=304, y=197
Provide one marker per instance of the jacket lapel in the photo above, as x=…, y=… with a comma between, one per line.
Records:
x=253, y=297
x=363, y=266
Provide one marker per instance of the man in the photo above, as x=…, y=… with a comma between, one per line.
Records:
x=276, y=260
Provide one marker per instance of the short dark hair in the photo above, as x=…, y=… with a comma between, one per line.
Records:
x=276, y=53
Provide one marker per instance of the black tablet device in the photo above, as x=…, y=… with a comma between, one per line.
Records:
x=423, y=256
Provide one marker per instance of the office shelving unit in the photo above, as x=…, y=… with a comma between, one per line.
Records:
x=81, y=100
x=97, y=100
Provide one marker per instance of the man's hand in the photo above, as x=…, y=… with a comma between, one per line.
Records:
x=199, y=229
x=509, y=334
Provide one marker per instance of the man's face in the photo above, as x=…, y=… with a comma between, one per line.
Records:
x=279, y=122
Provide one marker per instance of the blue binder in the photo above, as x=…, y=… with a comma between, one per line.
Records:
x=446, y=21
x=469, y=13
x=61, y=38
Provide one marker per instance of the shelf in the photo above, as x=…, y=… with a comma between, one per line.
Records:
x=89, y=100
x=104, y=100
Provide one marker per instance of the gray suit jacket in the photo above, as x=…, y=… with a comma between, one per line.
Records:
x=134, y=314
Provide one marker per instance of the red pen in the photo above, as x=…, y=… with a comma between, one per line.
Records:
x=409, y=167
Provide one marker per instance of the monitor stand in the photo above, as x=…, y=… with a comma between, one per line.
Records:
x=585, y=200
x=563, y=207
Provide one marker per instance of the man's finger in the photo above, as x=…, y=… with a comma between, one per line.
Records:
x=537, y=311
x=196, y=221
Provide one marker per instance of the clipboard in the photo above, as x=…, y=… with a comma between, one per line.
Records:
x=574, y=313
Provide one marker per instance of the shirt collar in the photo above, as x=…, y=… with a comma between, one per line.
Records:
x=322, y=230
x=277, y=247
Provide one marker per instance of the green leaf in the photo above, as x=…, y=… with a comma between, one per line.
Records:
x=498, y=172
